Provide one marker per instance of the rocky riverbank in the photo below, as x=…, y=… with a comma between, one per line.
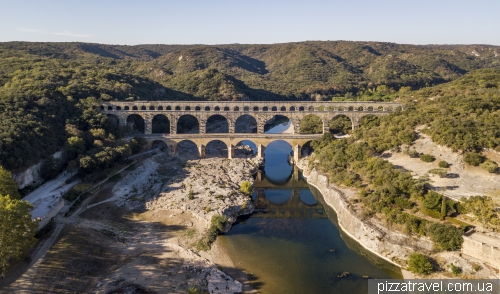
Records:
x=388, y=244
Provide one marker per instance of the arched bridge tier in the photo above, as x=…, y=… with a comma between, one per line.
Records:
x=231, y=140
x=262, y=112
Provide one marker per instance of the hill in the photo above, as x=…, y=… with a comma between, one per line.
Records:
x=47, y=87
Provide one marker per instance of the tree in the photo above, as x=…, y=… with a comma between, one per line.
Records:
x=17, y=230
x=473, y=158
x=75, y=146
x=7, y=185
x=311, y=124
x=246, y=188
x=419, y=263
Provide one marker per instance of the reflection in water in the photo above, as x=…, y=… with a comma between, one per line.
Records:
x=307, y=197
x=294, y=247
x=277, y=168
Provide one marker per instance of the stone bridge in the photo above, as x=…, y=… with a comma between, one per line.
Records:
x=232, y=111
x=171, y=113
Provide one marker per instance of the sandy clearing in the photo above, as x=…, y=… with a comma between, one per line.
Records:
x=463, y=180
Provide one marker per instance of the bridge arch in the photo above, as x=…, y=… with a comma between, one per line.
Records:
x=169, y=107
x=118, y=108
x=187, y=149
x=216, y=148
x=207, y=108
x=311, y=124
x=245, y=124
x=340, y=124
x=197, y=108
x=245, y=149
x=134, y=107
x=278, y=197
x=283, y=124
x=143, y=107
x=177, y=108
x=277, y=154
x=135, y=124
x=246, y=108
x=188, y=124
x=127, y=108
x=160, y=107
x=160, y=124
x=151, y=107
x=217, y=124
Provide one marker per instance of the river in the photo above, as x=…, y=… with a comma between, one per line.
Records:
x=292, y=243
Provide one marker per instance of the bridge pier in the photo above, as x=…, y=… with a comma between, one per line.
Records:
x=326, y=126
x=230, y=151
x=201, y=150
x=296, y=153
x=147, y=127
x=260, y=151
x=173, y=125
x=295, y=172
x=171, y=149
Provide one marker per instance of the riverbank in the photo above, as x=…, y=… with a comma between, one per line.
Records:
x=129, y=237
x=388, y=244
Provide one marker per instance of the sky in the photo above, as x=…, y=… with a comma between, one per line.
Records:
x=250, y=22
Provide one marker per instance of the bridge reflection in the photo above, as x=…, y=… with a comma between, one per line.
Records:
x=290, y=199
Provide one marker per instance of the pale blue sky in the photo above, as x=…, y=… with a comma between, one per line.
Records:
x=225, y=21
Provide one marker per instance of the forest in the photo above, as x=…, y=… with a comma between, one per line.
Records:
x=49, y=87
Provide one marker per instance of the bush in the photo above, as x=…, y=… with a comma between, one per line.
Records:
x=411, y=152
x=419, y=263
x=445, y=237
x=489, y=165
x=443, y=164
x=191, y=195
x=246, y=188
x=433, y=213
x=427, y=158
x=473, y=158
x=441, y=172
x=455, y=269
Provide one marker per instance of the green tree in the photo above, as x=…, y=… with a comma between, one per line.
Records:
x=246, y=188
x=419, y=263
x=311, y=124
x=473, y=158
x=340, y=124
x=17, y=230
x=75, y=146
x=7, y=185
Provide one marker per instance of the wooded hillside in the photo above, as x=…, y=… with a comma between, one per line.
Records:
x=44, y=87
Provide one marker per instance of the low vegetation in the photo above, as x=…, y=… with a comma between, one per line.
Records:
x=217, y=225
x=419, y=263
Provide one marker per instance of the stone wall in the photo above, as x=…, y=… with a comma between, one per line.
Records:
x=391, y=246
x=481, y=251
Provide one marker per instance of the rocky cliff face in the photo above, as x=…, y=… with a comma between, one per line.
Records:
x=32, y=175
x=391, y=246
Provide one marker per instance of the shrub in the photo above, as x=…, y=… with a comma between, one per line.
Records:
x=433, y=213
x=191, y=195
x=411, y=152
x=246, y=188
x=473, y=158
x=441, y=172
x=455, y=269
x=443, y=164
x=419, y=263
x=489, y=165
x=427, y=158
x=445, y=237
